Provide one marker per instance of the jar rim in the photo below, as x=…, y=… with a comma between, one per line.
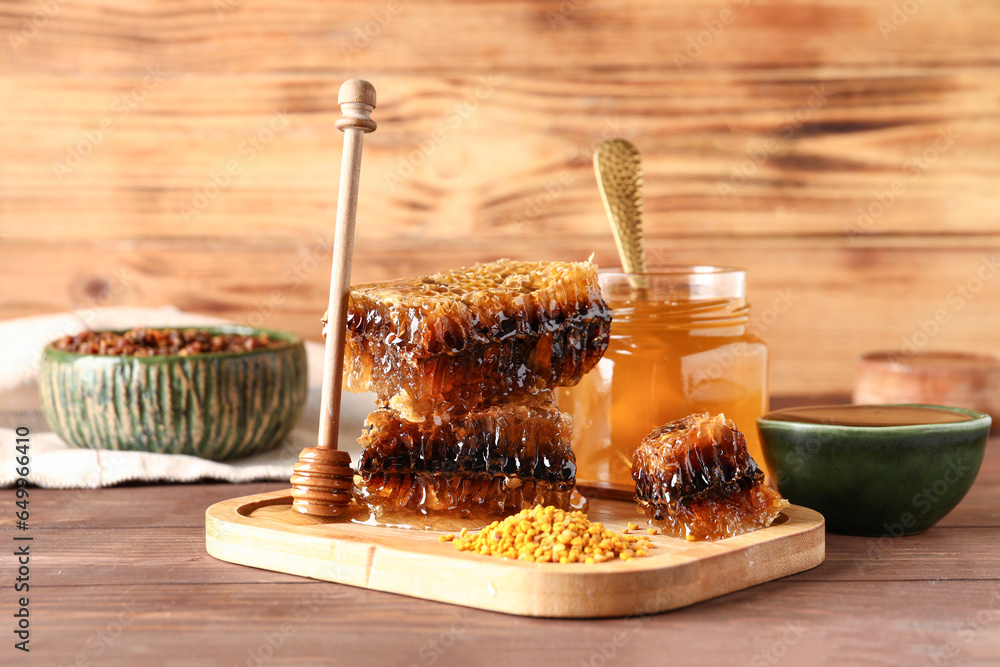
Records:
x=676, y=270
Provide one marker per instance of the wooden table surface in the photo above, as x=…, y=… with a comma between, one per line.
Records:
x=121, y=576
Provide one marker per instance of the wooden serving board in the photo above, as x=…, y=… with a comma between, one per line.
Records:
x=261, y=531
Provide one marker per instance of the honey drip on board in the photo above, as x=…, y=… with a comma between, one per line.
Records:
x=695, y=479
x=462, y=493
x=360, y=513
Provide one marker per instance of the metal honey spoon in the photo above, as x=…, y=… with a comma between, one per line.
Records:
x=322, y=479
x=619, y=178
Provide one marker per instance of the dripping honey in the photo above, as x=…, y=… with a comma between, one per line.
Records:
x=361, y=512
x=679, y=345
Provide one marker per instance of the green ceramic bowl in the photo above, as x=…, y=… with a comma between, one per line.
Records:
x=876, y=480
x=218, y=406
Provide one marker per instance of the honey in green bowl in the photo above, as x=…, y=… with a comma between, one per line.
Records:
x=875, y=469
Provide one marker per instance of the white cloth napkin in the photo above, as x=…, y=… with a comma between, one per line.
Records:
x=54, y=464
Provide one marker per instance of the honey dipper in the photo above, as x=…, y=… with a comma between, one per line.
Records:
x=322, y=479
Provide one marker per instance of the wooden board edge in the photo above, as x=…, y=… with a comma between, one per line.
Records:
x=612, y=591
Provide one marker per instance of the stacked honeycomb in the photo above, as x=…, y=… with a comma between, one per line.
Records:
x=695, y=478
x=463, y=364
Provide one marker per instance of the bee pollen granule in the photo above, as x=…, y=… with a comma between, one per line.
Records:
x=548, y=534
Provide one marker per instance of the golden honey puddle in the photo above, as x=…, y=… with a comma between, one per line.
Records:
x=363, y=515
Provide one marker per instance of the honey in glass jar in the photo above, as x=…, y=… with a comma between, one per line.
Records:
x=679, y=344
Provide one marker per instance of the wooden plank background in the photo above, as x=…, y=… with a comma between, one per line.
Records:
x=845, y=152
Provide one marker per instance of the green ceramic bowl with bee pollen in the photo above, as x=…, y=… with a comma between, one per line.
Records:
x=220, y=405
x=875, y=470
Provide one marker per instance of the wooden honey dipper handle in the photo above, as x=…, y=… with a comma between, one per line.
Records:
x=357, y=100
x=322, y=478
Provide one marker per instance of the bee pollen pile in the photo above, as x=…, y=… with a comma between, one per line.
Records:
x=548, y=534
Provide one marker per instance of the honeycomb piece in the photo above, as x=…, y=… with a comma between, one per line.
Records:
x=696, y=478
x=528, y=439
x=471, y=336
x=501, y=456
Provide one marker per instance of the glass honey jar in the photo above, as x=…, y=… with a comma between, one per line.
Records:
x=679, y=344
